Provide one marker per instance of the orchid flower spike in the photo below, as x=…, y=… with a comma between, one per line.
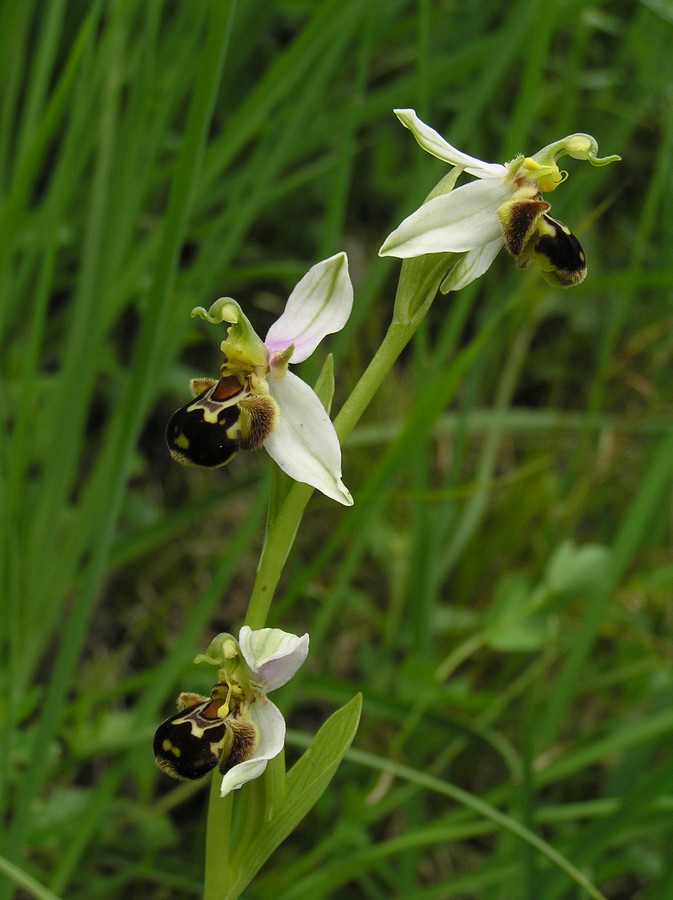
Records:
x=238, y=729
x=258, y=401
x=503, y=207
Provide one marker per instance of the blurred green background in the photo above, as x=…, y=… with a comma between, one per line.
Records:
x=501, y=590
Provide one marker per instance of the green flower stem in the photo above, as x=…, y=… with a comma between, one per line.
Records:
x=418, y=285
x=277, y=544
x=218, y=827
x=396, y=339
x=281, y=531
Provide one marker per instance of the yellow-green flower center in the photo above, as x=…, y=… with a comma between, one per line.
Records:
x=526, y=171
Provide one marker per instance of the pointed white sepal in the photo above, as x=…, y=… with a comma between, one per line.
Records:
x=274, y=656
x=435, y=144
x=471, y=265
x=270, y=725
x=319, y=305
x=455, y=222
x=304, y=442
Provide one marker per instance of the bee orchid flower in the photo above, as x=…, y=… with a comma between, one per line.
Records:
x=503, y=207
x=237, y=729
x=258, y=401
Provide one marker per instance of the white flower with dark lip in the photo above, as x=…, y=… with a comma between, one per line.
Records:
x=503, y=207
x=259, y=662
x=258, y=401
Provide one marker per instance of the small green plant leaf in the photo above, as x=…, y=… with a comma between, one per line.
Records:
x=574, y=569
x=518, y=622
x=305, y=783
x=324, y=386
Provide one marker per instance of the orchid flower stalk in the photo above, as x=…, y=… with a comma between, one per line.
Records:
x=236, y=732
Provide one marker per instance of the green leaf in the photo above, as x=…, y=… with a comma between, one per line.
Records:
x=517, y=622
x=324, y=386
x=574, y=569
x=305, y=783
x=519, y=637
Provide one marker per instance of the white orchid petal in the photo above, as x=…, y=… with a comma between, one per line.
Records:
x=273, y=655
x=455, y=222
x=434, y=143
x=270, y=725
x=304, y=442
x=470, y=266
x=319, y=305
x=237, y=776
